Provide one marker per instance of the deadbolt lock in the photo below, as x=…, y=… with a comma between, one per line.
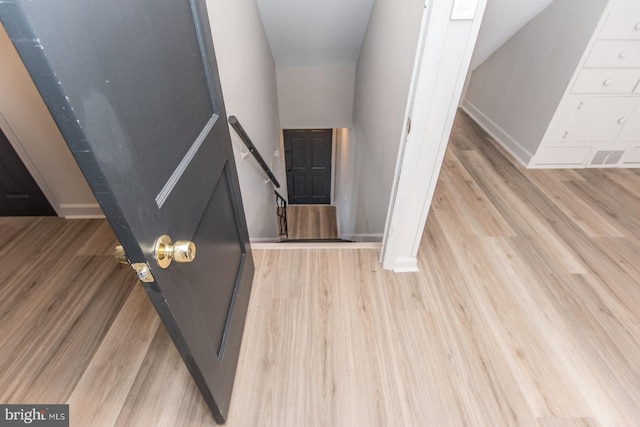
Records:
x=167, y=251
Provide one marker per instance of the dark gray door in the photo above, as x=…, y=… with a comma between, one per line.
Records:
x=308, y=160
x=19, y=193
x=133, y=86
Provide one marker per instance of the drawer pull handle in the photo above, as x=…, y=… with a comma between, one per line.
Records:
x=622, y=55
x=637, y=27
x=606, y=82
x=622, y=120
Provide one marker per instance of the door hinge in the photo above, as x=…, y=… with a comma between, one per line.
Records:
x=408, y=125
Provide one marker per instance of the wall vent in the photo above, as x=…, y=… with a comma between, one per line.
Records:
x=607, y=157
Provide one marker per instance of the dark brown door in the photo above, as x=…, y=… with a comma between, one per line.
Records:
x=133, y=86
x=308, y=161
x=19, y=193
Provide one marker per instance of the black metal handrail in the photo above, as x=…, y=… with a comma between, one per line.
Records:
x=235, y=124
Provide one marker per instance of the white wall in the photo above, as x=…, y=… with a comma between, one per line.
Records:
x=383, y=78
x=315, y=33
x=344, y=165
x=515, y=92
x=502, y=19
x=248, y=78
x=316, y=97
x=26, y=122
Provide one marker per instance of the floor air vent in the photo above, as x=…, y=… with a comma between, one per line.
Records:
x=607, y=157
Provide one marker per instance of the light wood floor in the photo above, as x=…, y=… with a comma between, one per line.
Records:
x=526, y=312
x=312, y=222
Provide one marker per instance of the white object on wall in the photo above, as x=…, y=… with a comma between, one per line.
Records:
x=464, y=9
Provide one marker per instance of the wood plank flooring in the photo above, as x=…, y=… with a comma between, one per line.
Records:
x=312, y=222
x=525, y=312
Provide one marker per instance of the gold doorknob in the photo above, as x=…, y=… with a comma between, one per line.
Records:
x=167, y=251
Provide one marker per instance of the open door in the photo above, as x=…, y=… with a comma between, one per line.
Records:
x=133, y=86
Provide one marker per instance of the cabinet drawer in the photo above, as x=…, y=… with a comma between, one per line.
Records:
x=632, y=158
x=622, y=24
x=561, y=156
x=614, y=54
x=591, y=119
x=631, y=132
x=600, y=80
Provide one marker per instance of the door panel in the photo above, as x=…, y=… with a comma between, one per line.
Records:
x=217, y=238
x=308, y=159
x=133, y=86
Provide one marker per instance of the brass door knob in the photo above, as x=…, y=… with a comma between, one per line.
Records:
x=167, y=251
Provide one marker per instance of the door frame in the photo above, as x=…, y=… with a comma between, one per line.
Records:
x=445, y=47
x=332, y=199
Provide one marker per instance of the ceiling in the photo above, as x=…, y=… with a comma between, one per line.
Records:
x=315, y=32
x=330, y=32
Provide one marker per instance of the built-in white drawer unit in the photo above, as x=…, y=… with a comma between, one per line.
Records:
x=573, y=93
x=606, y=80
x=622, y=24
x=590, y=118
x=631, y=131
x=632, y=159
x=614, y=54
x=561, y=156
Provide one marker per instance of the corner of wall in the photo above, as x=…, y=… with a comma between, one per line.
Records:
x=502, y=137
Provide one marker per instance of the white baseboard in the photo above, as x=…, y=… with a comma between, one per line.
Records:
x=513, y=147
x=80, y=211
x=405, y=265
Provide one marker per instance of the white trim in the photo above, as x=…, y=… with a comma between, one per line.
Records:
x=510, y=145
x=338, y=228
x=80, y=210
x=406, y=265
x=445, y=50
x=334, y=135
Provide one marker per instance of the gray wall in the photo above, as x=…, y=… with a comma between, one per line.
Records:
x=248, y=77
x=502, y=19
x=383, y=78
x=316, y=97
x=515, y=92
